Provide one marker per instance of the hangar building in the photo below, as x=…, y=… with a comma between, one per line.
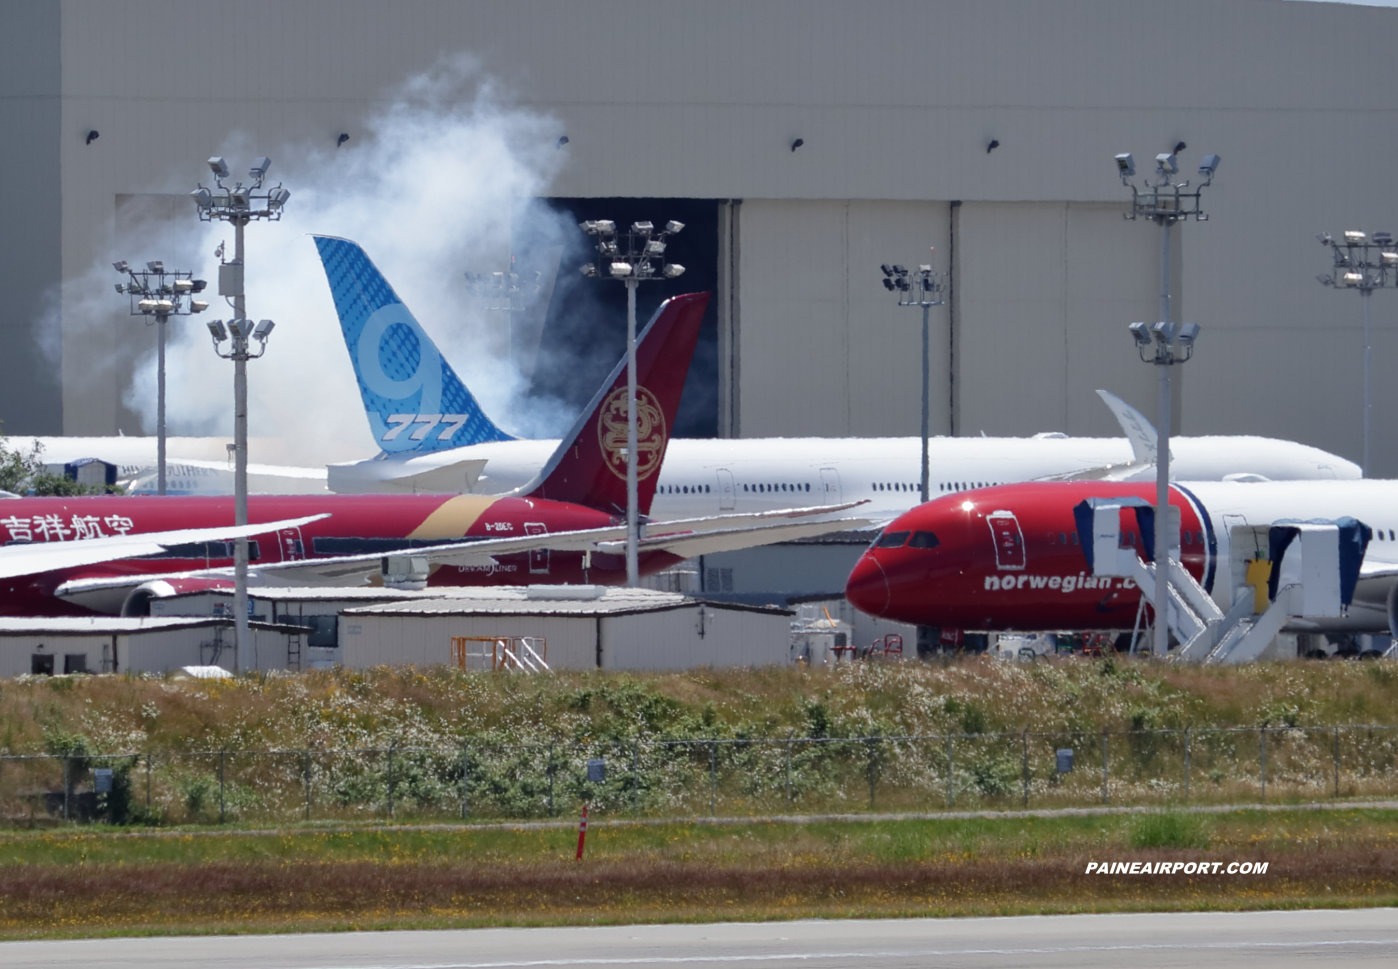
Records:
x=828, y=137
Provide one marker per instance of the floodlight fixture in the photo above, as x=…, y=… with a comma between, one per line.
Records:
x=146, y=305
x=198, y=305
x=1382, y=238
x=263, y=330
x=258, y=171
x=183, y=285
x=654, y=247
x=218, y=166
x=156, y=266
x=589, y=270
x=1326, y=239
x=119, y=287
x=621, y=269
x=1125, y=165
x=888, y=284
x=887, y=269
x=1389, y=258
x=605, y=227
x=238, y=328
x=277, y=197
x=217, y=331
x=1164, y=332
x=1353, y=237
x=202, y=197
x=672, y=227
x=1166, y=164
x=121, y=267
x=1352, y=279
x=900, y=270
x=1326, y=280
x=672, y=270
x=642, y=229
x=199, y=285
x=1188, y=333
x=1141, y=333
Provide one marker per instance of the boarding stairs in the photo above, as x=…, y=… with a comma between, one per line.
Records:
x=1311, y=569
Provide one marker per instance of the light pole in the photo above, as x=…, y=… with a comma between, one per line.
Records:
x=508, y=292
x=160, y=293
x=922, y=288
x=1165, y=202
x=1365, y=263
x=239, y=205
x=631, y=257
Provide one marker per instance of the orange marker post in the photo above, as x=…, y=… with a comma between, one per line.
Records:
x=582, y=832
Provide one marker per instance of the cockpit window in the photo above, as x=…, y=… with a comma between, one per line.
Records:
x=924, y=540
x=892, y=540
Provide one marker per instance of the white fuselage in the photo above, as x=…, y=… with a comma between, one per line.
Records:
x=1375, y=503
x=708, y=476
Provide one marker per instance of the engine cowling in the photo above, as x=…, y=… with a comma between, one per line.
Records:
x=138, y=600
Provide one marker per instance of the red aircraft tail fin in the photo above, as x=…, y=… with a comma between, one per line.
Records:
x=589, y=467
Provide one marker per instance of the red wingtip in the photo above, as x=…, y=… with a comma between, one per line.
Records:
x=590, y=467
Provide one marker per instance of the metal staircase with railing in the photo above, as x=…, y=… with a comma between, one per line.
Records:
x=1312, y=571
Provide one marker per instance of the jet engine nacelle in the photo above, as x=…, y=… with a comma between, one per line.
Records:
x=138, y=600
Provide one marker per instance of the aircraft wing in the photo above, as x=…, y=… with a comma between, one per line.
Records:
x=36, y=557
x=689, y=537
x=689, y=545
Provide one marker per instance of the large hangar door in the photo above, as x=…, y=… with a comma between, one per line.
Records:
x=584, y=329
x=821, y=348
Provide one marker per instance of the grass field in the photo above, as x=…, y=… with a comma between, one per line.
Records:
x=93, y=881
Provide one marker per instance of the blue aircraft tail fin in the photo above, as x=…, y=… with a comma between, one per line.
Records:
x=414, y=400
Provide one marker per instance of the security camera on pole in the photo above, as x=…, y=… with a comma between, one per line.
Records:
x=1165, y=202
x=160, y=293
x=239, y=205
x=631, y=257
x=922, y=288
x=1365, y=263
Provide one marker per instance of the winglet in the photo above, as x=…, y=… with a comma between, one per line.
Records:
x=1139, y=431
x=589, y=466
x=414, y=400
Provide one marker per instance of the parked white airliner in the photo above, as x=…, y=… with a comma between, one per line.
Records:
x=435, y=437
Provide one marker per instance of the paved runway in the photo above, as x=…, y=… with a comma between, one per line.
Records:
x=1273, y=940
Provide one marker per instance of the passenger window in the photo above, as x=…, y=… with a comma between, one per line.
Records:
x=892, y=540
x=923, y=540
x=1062, y=539
x=1073, y=537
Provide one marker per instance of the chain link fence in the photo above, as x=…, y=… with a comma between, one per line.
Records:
x=696, y=778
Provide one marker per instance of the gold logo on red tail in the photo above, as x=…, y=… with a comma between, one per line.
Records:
x=650, y=432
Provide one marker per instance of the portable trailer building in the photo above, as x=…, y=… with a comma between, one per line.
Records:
x=146, y=644
x=577, y=627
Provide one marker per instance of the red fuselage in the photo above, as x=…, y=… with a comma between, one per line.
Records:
x=1008, y=558
x=358, y=524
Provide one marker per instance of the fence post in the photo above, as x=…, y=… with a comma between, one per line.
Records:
x=307, y=759
x=1186, y=765
x=220, y=787
x=1105, y=774
x=713, y=775
x=67, y=786
x=1337, y=760
x=636, y=775
x=1024, y=742
x=951, y=783
x=870, y=743
x=465, y=782
x=1262, y=758
x=788, y=770
x=551, y=771
x=390, y=777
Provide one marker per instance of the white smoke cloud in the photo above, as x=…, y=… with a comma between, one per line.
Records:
x=429, y=186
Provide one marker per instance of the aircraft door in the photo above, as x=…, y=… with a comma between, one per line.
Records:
x=830, y=486
x=726, y=496
x=538, y=557
x=1008, y=539
x=293, y=549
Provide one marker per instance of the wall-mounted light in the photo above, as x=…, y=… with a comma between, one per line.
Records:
x=92, y=136
x=992, y=145
x=563, y=140
x=797, y=143
x=344, y=137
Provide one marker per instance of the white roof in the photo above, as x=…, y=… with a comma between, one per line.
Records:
x=79, y=625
